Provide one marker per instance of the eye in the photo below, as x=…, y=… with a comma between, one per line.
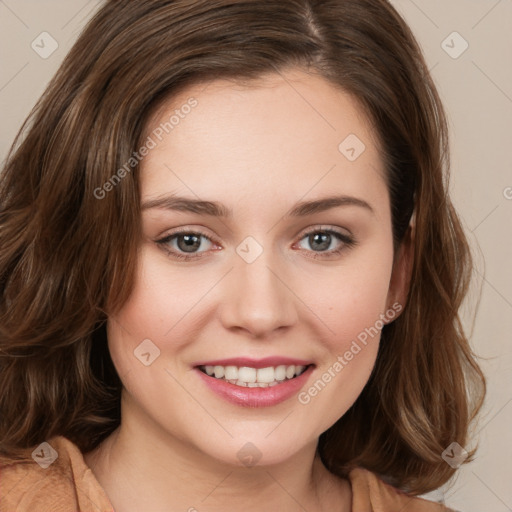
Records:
x=185, y=244
x=326, y=242
x=189, y=244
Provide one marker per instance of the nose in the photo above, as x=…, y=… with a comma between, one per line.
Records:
x=258, y=299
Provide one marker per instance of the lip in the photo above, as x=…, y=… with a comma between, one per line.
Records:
x=255, y=397
x=255, y=363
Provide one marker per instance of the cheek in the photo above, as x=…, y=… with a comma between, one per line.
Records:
x=159, y=309
x=351, y=298
x=146, y=336
x=359, y=299
x=351, y=305
x=164, y=299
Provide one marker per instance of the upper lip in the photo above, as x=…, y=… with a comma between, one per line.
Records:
x=256, y=363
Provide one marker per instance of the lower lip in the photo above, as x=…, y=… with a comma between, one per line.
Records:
x=256, y=397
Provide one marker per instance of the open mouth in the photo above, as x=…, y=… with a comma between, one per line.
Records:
x=246, y=376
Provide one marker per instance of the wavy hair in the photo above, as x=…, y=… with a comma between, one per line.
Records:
x=67, y=257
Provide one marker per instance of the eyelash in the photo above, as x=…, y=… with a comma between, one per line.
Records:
x=347, y=243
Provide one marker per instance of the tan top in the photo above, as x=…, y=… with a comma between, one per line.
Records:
x=69, y=485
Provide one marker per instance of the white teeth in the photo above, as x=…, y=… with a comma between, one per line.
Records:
x=254, y=377
x=280, y=372
x=247, y=374
x=266, y=374
x=218, y=371
x=231, y=373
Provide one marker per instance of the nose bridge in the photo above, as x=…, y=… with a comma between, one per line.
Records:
x=257, y=299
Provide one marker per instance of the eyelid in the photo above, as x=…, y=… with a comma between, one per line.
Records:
x=347, y=241
x=189, y=230
x=323, y=228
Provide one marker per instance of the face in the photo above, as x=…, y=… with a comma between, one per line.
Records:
x=281, y=275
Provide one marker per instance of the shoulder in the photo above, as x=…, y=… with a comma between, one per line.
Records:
x=52, y=477
x=371, y=493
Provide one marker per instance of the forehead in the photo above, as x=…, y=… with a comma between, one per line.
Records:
x=277, y=137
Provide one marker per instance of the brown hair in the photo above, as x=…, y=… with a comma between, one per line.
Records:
x=67, y=258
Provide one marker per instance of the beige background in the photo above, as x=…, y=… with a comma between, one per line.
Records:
x=476, y=88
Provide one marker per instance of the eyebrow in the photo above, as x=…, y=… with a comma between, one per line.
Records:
x=216, y=209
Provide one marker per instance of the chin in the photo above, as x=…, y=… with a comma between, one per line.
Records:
x=260, y=449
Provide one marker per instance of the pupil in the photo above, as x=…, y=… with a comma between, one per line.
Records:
x=191, y=243
x=323, y=238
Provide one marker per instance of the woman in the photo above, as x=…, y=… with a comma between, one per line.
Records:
x=231, y=271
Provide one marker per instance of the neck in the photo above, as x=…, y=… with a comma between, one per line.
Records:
x=140, y=467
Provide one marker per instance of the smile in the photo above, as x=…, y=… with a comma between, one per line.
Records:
x=250, y=382
x=246, y=376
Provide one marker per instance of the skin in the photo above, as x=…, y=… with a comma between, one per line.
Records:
x=258, y=149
